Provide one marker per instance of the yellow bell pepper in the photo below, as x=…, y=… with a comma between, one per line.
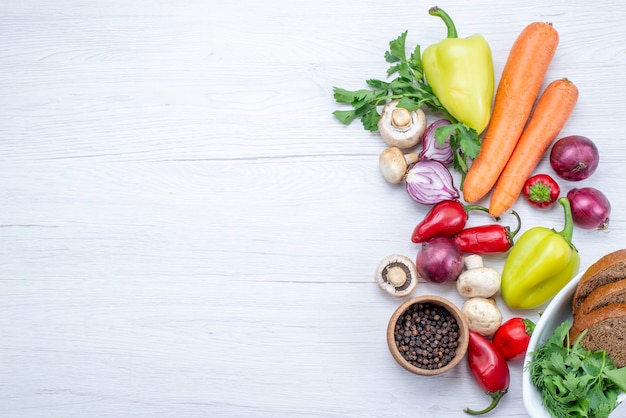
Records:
x=541, y=263
x=460, y=73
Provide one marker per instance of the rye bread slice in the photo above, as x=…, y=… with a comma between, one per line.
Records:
x=608, y=294
x=608, y=269
x=606, y=331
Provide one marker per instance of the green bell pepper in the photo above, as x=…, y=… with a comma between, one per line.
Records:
x=541, y=263
x=460, y=73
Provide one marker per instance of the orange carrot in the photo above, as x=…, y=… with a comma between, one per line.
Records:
x=550, y=115
x=521, y=80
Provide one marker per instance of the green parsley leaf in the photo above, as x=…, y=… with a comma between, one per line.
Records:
x=618, y=376
x=464, y=141
x=409, y=104
x=343, y=95
x=397, y=49
x=345, y=116
x=416, y=62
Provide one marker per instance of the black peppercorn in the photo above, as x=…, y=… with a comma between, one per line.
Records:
x=426, y=335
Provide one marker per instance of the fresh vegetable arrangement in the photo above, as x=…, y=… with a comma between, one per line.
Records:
x=495, y=143
x=413, y=90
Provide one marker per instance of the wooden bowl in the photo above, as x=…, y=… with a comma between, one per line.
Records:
x=412, y=352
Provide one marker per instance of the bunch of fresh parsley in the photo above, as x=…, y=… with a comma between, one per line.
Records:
x=573, y=381
x=411, y=88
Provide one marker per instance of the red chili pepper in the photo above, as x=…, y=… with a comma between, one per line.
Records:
x=489, y=368
x=486, y=239
x=541, y=190
x=444, y=219
x=512, y=338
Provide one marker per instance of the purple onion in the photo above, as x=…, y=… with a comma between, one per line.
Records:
x=439, y=260
x=431, y=150
x=590, y=208
x=429, y=182
x=574, y=157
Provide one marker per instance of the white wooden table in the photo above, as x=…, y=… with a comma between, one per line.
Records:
x=186, y=230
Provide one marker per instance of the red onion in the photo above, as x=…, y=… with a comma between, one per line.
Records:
x=431, y=150
x=574, y=157
x=590, y=208
x=429, y=182
x=439, y=260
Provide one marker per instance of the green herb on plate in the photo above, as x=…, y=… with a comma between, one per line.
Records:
x=573, y=381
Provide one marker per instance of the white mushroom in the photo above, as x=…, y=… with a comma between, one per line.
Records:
x=394, y=164
x=478, y=280
x=483, y=315
x=397, y=275
x=400, y=127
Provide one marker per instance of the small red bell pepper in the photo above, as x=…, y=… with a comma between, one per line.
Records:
x=489, y=368
x=512, y=338
x=486, y=239
x=445, y=219
x=541, y=190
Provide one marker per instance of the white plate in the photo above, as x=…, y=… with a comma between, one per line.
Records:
x=557, y=311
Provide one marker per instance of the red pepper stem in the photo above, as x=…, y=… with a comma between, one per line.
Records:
x=519, y=225
x=568, y=228
x=529, y=325
x=495, y=399
x=436, y=11
x=469, y=208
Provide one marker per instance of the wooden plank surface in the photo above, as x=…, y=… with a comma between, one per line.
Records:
x=188, y=232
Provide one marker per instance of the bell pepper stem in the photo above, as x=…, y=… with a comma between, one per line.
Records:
x=436, y=11
x=568, y=227
x=495, y=399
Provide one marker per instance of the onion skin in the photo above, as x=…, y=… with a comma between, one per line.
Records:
x=429, y=182
x=431, y=150
x=574, y=157
x=590, y=208
x=439, y=260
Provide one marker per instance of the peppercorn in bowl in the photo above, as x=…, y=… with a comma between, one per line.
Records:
x=427, y=335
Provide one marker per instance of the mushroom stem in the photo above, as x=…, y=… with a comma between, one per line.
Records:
x=400, y=117
x=396, y=275
x=411, y=158
x=473, y=261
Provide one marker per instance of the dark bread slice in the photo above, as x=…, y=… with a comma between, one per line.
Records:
x=606, y=331
x=608, y=294
x=608, y=269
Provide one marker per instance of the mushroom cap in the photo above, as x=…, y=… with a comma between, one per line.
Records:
x=394, y=164
x=481, y=282
x=400, y=127
x=396, y=274
x=483, y=315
